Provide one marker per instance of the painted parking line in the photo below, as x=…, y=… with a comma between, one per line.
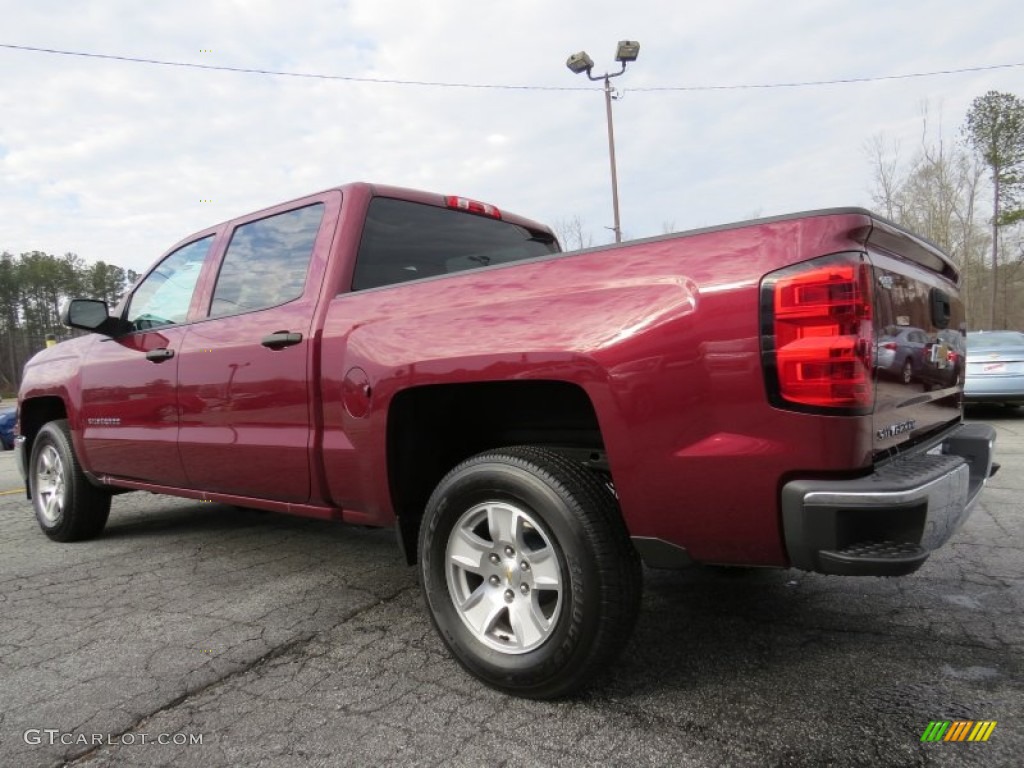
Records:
x=8, y=493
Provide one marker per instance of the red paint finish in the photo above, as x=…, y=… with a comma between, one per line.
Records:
x=129, y=408
x=663, y=336
x=245, y=417
x=246, y=409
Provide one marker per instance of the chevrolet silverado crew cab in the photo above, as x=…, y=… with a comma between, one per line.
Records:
x=534, y=424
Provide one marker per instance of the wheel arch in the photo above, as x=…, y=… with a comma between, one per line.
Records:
x=33, y=414
x=433, y=428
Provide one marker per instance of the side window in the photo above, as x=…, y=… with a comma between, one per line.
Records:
x=407, y=241
x=267, y=261
x=164, y=296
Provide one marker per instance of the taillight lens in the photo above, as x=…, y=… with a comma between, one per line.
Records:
x=817, y=335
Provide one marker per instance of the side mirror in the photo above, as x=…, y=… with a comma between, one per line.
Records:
x=91, y=315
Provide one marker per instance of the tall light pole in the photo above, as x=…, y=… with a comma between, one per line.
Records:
x=580, y=62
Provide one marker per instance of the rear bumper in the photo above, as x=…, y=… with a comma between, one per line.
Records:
x=994, y=397
x=886, y=524
x=994, y=389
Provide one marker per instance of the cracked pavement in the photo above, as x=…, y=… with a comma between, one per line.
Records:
x=291, y=642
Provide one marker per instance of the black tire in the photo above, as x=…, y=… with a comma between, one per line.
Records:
x=570, y=529
x=68, y=507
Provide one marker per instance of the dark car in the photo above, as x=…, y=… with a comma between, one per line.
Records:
x=8, y=415
x=901, y=352
x=944, y=359
x=995, y=367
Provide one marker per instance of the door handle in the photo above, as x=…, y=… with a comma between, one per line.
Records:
x=159, y=355
x=281, y=339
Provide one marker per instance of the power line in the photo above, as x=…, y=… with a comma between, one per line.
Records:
x=439, y=84
x=279, y=73
x=840, y=81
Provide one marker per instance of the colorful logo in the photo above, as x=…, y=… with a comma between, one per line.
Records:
x=958, y=730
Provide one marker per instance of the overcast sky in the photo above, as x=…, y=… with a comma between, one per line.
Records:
x=117, y=161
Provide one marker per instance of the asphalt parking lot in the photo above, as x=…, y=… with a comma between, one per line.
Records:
x=278, y=641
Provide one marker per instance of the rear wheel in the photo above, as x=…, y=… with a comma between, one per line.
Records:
x=68, y=507
x=907, y=372
x=528, y=572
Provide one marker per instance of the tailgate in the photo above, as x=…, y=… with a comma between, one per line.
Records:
x=920, y=347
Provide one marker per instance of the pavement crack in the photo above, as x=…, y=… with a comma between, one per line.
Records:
x=293, y=645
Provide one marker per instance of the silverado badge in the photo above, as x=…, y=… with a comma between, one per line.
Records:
x=893, y=430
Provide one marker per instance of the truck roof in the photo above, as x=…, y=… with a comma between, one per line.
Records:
x=379, y=190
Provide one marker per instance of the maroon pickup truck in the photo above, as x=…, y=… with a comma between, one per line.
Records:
x=535, y=424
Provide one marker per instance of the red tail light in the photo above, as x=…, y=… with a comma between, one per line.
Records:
x=817, y=335
x=890, y=345
x=473, y=206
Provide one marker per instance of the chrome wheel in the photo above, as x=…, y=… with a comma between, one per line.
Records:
x=50, y=485
x=504, y=577
x=68, y=506
x=528, y=571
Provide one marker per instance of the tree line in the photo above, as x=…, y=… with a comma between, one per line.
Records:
x=33, y=288
x=966, y=194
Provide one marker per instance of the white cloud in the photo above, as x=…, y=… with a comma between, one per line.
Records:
x=111, y=160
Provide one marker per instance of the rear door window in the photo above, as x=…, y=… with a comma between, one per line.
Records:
x=267, y=261
x=404, y=241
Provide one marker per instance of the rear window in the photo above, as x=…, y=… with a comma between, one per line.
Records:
x=409, y=241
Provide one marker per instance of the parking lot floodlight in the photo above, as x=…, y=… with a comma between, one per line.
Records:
x=628, y=51
x=580, y=62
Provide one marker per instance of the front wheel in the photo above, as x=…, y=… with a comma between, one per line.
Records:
x=528, y=572
x=68, y=507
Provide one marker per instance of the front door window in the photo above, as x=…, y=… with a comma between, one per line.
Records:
x=163, y=298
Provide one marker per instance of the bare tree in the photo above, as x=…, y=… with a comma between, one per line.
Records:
x=885, y=165
x=936, y=195
x=572, y=234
